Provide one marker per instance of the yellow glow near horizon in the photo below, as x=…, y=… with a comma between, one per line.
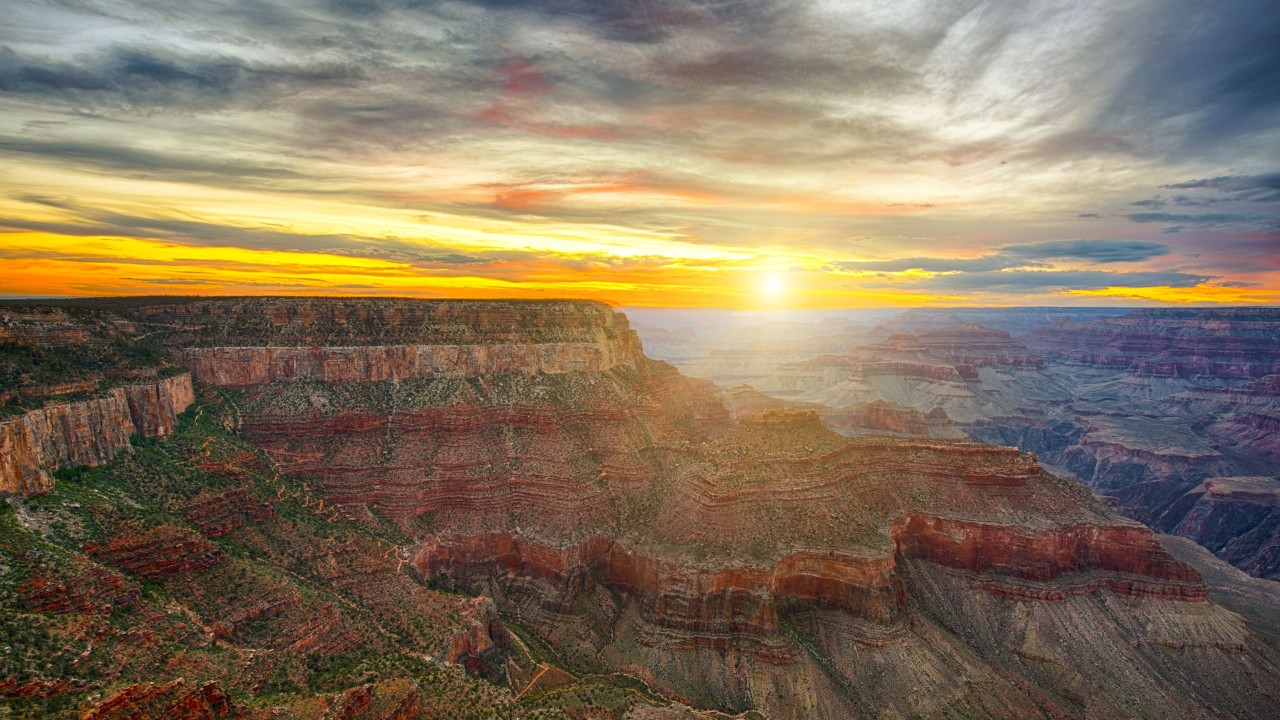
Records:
x=1191, y=295
x=133, y=266
x=191, y=239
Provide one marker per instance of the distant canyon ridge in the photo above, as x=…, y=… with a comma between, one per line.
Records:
x=1171, y=415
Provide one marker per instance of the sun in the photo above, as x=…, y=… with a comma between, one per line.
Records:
x=773, y=286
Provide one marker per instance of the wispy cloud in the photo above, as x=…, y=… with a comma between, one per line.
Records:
x=961, y=139
x=1023, y=255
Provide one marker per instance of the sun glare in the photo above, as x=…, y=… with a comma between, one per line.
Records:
x=774, y=286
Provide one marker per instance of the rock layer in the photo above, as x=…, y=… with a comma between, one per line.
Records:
x=87, y=432
x=1226, y=343
x=242, y=367
x=1143, y=406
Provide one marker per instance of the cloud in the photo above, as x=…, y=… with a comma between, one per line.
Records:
x=774, y=126
x=1013, y=282
x=1231, y=183
x=144, y=163
x=646, y=22
x=1154, y=203
x=147, y=79
x=1022, y=255
x=1098, y=251
x=929, y=264
x=1256, y=188
x=1205, y=78
x=1207, y=219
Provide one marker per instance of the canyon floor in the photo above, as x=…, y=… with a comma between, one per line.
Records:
x=398, y=509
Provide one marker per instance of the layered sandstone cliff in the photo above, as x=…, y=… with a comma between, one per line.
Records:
x=1143, y=406
x=241, y=367
x=1229, y=343
x=245, y=343
x=87, y=432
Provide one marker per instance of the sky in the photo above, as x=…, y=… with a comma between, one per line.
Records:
x=752, y=154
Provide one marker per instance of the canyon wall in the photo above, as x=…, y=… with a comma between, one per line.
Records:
x=241, y=367
x=86, y=432
x=348, y=322
x=246, y=343
x=1228, y=343
x=1143, y=406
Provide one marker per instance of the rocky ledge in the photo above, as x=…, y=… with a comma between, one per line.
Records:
x=87, y=432
x=244, y=343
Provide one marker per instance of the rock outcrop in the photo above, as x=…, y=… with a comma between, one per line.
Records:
x=166, y=701
x=879, y=417
x=357, y=341
x=156, y=553
x=241, y=367
x=972, y=345
x=86, y=432
x=1237, y=518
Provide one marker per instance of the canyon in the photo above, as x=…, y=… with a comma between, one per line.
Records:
x=516, y=489
x=1144, y=406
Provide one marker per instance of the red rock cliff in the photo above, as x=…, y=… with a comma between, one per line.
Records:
x=87, y=432
x=245, y=343
x=242, y=367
